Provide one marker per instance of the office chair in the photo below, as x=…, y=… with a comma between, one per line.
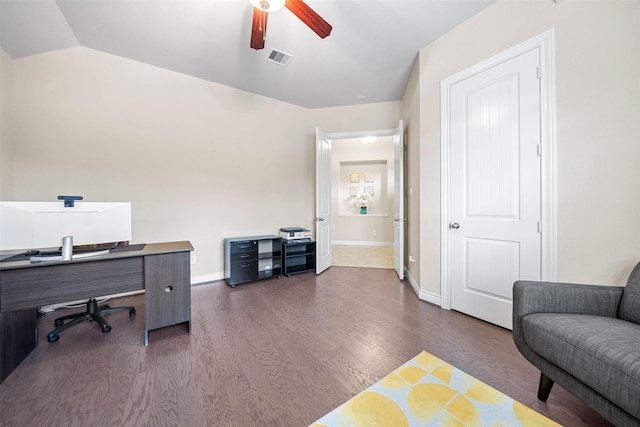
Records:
x=93, y=313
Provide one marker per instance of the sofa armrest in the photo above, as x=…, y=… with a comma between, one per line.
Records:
x=547, y=297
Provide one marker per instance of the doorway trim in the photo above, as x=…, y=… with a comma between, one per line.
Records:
x=359, y=134
x=332, y=136
x=548, y=228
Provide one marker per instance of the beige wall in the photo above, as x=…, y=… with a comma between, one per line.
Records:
x=6, y=141
x=598, y=127
x=412, y=159
x=199, y=161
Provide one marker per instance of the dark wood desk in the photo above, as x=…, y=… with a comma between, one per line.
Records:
x=162, y=269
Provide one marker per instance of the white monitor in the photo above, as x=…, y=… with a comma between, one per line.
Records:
x=40, y=225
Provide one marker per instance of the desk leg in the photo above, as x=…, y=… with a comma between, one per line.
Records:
x=146, y=338
x=18, y=338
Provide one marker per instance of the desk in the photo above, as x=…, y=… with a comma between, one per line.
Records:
x=162, y=269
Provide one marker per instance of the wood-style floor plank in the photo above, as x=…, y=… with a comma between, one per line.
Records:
x=281, y=352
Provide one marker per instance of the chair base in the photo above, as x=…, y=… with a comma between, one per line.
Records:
x=94, y=313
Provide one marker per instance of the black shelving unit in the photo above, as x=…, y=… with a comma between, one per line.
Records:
x=247, y=259
x=298, y=257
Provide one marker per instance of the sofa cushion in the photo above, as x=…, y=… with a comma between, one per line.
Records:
x=630, y=304
x=601, y=352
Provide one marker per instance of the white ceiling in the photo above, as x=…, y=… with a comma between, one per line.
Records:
x=367, y=58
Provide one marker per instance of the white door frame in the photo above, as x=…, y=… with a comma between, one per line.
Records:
x=398, y=203
x=332, y=136
x=323, y=201
x=546, y=43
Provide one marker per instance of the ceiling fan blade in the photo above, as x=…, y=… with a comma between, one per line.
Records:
x=309, y=17
x=258, y=28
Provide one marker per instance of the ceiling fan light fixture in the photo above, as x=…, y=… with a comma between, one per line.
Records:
x=268, y=5
x=262, y=9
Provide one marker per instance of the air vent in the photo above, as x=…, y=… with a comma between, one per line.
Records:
x=279, y=57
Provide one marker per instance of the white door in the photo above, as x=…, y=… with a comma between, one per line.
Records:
x=323, y=201
x=398, y=226
x=495, y=187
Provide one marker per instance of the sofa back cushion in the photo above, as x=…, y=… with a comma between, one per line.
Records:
x=630, y=304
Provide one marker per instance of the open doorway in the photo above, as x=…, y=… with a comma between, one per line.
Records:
x=323, y=212
x=362, y=202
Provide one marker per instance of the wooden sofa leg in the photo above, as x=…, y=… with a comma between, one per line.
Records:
x=545, y=387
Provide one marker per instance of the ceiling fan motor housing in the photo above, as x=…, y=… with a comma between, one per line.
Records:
x=268, y=5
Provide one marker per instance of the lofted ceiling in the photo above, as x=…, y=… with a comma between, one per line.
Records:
x=367, y=58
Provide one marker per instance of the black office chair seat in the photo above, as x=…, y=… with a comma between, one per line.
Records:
x=93, y=313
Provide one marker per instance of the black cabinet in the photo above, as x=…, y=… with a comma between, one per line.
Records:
x=298, y=257
x=252, y=258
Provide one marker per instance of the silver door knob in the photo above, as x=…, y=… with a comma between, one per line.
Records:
x=454, y=225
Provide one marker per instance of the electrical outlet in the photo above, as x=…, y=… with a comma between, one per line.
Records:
x=411, y=259
x=374, y=233
x=193, y=258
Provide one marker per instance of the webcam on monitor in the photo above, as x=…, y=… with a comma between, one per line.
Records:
x=69, y=200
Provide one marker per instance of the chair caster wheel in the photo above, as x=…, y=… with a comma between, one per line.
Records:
x=53, y=338
x=59, y=322
x=132, y=314
x=106, y=328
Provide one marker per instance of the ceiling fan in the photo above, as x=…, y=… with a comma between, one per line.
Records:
x=262, y=8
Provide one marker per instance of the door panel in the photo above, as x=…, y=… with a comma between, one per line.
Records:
x=323, y=201
x=495, y=190
x=491, y=154
x=490, y=263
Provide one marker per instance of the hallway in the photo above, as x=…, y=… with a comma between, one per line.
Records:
x=362, y=256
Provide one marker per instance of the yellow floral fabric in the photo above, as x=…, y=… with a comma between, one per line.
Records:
x=427, y=391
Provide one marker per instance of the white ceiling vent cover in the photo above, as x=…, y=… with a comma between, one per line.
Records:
x=279, y=57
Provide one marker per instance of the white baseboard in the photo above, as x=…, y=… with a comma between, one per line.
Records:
x=361, y=243
x=430, y=297
x=421, y=294
x=206, y=278
x=412, y=282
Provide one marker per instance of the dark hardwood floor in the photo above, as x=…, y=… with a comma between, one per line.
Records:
x=281, y=352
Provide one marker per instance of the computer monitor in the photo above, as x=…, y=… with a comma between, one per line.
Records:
x=42, y=225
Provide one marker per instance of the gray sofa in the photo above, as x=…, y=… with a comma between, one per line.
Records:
x=585, y=338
